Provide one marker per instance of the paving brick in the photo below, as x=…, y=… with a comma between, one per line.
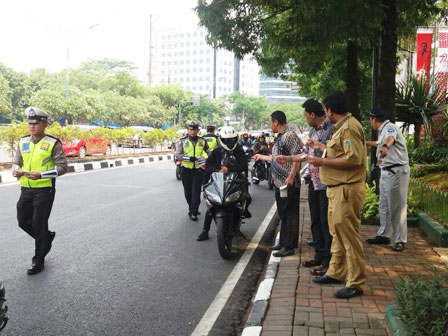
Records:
x=275, y=333
x=331, y=327
x=278, y=328
x=301, y=317
x=348, y=331
x=376, y=332
x=300, y=331
x=316, y=332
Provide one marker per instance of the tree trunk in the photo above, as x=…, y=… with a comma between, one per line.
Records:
x=417, y=127
x=388, y=59
x=352, y=79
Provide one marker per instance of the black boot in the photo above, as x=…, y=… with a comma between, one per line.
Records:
x=202, y=236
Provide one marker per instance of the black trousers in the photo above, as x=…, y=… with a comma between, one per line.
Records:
x=33, y=210
x=288, y=210
x=192, y=181
x=318, y=202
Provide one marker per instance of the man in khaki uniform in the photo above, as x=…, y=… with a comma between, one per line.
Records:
x=343, y=171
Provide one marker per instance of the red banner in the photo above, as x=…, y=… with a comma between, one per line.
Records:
x=424, y=40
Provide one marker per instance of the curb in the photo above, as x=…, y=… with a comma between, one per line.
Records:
x=6, y=175
x=260, y=304
x=392, y=323
x=436, y=233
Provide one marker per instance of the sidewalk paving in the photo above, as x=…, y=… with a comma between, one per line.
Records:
x=299, y=307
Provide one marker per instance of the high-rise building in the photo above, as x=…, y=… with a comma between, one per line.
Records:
x=276, y=89
x=179, y=54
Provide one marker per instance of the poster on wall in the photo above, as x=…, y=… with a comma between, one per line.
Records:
x=442, y=59
x=424, y=40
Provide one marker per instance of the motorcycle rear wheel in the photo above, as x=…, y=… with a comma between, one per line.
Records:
x=224, y=237
x=178, y=172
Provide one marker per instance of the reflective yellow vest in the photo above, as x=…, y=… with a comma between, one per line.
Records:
x=212, y=142
x=191, y=150
x=38, y=158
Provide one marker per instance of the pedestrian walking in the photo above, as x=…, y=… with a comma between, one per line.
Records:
x=343, y=171
x=393, y=159
x=321, y=131
x=191, y=150
x=285, y=177
x=38, y=161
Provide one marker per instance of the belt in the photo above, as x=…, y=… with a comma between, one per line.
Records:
x=389, y=168
x=337, y=185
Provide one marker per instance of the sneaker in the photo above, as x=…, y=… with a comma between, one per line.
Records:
x=398, y=247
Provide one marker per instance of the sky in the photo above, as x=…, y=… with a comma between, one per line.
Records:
x=37, y=33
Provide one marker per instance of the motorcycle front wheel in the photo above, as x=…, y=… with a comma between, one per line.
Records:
x=178, y=172
x=224, y=237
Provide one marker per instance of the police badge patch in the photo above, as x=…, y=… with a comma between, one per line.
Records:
x=26, y=147
x=45, y=146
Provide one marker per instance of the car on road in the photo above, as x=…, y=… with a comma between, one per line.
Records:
x=89, y=146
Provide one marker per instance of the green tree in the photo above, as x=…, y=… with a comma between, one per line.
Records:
x=5, y=98
x=18, y=90
x=294, y=113
x=254, y=109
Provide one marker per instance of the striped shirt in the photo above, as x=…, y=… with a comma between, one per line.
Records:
x=286, y=143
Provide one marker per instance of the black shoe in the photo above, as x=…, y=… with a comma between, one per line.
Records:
x=398, y=247
x=247, y=214
x=36, y=268
x=283, y=252
x=198, y=213
x=347, y=293
x=310, y=242
x=311, y=263
x=324, y=279
x=202, y=236
x=276, y=247
x=379, y=240
x=193, y=217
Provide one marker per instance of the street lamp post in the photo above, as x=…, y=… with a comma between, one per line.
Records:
x=67, y=79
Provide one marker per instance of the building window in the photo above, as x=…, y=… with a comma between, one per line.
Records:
x=195, y=43
x=188, y=52
x=182, y=44
x=201, y=52
x=188, y=44
x=208, y=51
x=188, y=34
x=195, y=34
x=194, y=88
x=194, y=79
x=195, y=52
x=201, y=70
x=207, y=60
x=181, y=70
x=194, y=70
x=181, y=62
x=194, y=61
x=181, y=35
x=163, y=63
x=188, y=61
x=201, y=79
x=200, y=87
x=181, y=53
x=187, y=70
x=201, y=43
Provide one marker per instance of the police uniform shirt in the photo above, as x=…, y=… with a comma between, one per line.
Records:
x=57, y=154
x=398, y=152
x=180, y=148
x=347, y=142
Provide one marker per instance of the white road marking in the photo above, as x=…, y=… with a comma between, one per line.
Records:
x=211, y=315
x=90, y=171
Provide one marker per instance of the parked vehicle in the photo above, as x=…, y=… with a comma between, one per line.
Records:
x=262, y=172
x=3, y=308
x=83, y=147
x=224, y=196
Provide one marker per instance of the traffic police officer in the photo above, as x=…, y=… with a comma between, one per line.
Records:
x=191, y=150
x=393, y=159
x=211, y=138
x=38, y=160
x=343, y=171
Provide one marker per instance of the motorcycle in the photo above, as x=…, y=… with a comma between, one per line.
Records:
x=3, y=309
x=178, y=168
x=224, y=196
x=248, y=152
x=262, y=172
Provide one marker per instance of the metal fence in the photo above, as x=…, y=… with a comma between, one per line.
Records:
x=432, y=201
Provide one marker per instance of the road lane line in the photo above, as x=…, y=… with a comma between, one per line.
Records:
x=90, y=172
x=207, y=321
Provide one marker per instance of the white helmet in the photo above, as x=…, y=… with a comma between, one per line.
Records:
x=228, y=138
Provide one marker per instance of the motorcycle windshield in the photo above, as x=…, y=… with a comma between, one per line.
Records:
x=221, y=183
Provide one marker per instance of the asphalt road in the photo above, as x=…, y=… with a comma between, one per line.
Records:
x=124, y=261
